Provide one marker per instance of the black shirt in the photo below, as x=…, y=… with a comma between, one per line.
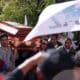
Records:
x=55, y=63
x=15, y=75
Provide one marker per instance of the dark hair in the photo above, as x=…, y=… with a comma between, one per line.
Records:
x=68, y=39
x=3, y=35
x=44, y=41
x=54, y=35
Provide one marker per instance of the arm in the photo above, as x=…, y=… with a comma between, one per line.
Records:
x=22, y=70
x=28, y=64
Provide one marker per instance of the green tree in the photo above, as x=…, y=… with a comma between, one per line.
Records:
x=14, y=10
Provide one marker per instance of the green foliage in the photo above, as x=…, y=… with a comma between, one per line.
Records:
x=14, y=10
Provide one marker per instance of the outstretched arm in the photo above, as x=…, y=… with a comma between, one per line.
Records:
x=20, y=71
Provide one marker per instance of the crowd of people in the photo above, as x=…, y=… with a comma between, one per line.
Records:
x=47, y=58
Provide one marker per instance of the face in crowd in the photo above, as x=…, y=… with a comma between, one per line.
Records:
x=4, y=40
x=68, y=43
x=54, y=39
x=44, y=45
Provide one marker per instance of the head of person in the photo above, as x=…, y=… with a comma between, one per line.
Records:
x=67, y=43
x=4, y=40
x=54, y=39
x=44, y=44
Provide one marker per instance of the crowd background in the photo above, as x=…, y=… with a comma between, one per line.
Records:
x=14, y=53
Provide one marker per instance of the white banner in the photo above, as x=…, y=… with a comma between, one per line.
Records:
x=57, y=18
x=8, y=29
